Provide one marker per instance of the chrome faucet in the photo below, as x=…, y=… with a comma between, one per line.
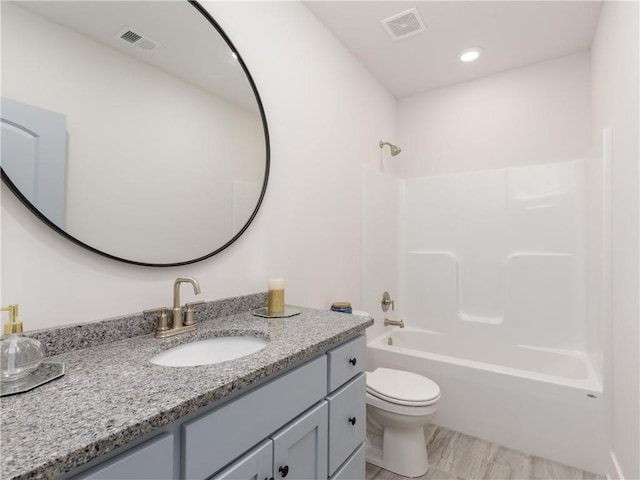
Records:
x=180, y=324
x=393, y=323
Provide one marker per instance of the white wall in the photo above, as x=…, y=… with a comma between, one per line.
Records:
x=323, y=127
x=615, y=96
x=535, y=114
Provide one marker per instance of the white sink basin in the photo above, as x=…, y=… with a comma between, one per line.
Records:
x=207, y=352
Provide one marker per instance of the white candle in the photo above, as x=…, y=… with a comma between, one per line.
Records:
x=275, y=297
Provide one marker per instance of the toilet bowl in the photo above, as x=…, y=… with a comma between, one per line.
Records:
x=399, y=405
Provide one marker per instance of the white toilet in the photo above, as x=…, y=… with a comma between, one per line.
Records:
x=399, y=405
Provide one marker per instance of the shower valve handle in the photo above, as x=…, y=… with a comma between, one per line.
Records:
x=386, y=301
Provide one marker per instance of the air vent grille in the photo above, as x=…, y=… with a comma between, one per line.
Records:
x=140, y=40
x=131, y=37
x=404, y=24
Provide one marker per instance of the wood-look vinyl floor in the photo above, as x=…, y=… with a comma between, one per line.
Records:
x=455, y=456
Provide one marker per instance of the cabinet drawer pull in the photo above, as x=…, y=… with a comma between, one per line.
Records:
x=353, y=361
x=352, y=420
x=284, y=471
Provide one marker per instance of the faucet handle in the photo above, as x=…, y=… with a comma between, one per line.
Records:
x=154, y=310
x=163, y=322
x=386, y=302
x=188, y=316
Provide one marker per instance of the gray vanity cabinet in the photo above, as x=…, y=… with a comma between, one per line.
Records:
x=306, y=423
x=297, y=452
x=327, y=440
x=213, y=440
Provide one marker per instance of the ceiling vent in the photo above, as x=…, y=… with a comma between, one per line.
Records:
x=404, y=24
x=140, y=40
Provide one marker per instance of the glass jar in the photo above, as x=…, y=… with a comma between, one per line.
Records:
x=19, y=356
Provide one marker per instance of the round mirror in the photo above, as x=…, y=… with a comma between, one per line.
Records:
x=132, y=128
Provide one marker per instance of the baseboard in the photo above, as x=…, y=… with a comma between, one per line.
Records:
x=615, y=472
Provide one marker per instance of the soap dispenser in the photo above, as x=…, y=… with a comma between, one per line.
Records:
x=19, y=355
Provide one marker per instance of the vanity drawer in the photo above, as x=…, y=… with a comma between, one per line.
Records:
x=354, y=468
x=346, y=361
x=347, y=420
x=216, y=438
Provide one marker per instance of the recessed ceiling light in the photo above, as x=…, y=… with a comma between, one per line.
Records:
x=470, y=54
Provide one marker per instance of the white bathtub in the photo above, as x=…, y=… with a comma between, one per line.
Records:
x=541, y=401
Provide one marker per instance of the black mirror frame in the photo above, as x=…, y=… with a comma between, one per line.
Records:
x=53, y=226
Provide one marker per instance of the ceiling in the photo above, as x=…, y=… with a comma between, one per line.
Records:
x=512, y=34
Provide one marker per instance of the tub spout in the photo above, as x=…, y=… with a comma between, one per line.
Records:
x=393, y=323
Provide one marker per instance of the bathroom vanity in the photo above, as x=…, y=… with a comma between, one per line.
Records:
x=295, y=409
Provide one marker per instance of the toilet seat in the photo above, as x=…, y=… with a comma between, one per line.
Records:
x=402, y=388
x=405, y=410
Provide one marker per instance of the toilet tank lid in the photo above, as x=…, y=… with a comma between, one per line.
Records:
x=401, y=385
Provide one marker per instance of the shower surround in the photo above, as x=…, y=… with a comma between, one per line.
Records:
x=498, y=255
x=488, y=263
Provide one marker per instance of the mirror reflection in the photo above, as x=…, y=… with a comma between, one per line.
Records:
x=131, y=126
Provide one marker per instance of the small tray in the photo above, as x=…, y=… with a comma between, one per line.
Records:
x=45, y=372
x=289, y=311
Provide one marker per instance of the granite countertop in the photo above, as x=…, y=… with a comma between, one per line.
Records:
x=111, y=393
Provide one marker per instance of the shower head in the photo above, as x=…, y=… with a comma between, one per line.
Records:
x=394, y=150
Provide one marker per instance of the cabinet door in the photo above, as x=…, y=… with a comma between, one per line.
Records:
x=255, y=465
x=300, y=449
